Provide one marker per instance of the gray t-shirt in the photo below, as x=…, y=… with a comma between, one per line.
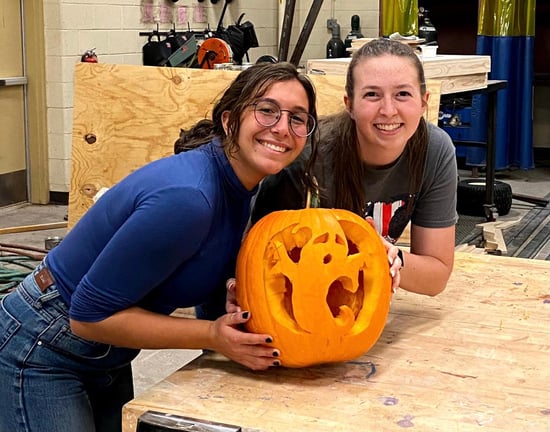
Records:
x=388, y=199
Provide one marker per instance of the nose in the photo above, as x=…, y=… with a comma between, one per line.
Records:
x=282, y=126
x=387, y=106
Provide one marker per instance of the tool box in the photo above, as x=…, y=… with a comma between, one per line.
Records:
x=464, y=119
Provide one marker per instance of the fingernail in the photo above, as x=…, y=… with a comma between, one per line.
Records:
x=275, y=354
x=268, y=340
x=276, y=363
x=245, y=315
x=392, y=273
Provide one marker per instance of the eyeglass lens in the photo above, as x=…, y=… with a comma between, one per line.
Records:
x=268, y=113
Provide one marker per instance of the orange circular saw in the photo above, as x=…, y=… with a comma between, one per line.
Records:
x=213, y=51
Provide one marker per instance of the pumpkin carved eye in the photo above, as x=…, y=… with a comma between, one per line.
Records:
x=318, y=281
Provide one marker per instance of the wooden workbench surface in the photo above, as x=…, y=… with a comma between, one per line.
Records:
x=476, y=357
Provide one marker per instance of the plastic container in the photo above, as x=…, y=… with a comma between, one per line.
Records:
x=428, y=50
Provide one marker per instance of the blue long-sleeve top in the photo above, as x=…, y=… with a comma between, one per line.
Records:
x=165, y=237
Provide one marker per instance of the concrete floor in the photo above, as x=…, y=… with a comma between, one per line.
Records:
x=152, y=366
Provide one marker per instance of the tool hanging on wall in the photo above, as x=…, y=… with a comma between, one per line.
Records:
x=240, y=36
x=155, y=52
x=223, y=45
x=185, y=55
x=89, y=56
x=213, y=51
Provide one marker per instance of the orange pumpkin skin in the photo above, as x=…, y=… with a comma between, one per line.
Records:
x=317, y=280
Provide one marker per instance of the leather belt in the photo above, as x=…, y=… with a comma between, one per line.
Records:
x=44, y=279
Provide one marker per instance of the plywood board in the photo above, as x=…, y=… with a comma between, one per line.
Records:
x=456, y=72
x=446, y=65
x=126, y=116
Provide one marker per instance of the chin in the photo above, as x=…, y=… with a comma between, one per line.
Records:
x=275, y=169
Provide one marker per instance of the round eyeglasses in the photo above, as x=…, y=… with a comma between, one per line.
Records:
x=268, y=113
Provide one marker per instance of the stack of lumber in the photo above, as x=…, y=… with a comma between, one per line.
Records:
x=457, y=73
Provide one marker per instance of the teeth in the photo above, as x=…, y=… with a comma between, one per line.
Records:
x=274, y=147
x=388, y=127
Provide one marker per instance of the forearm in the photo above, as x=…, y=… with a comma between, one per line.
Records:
x=424, y=274
x=429, y=263
x=138, y=328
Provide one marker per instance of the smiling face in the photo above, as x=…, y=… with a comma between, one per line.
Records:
x=387, y=105
x=266, y=150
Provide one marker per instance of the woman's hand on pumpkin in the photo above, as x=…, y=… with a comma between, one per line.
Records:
x=395, y=264
x=249, y=349
x=231, y=305
x=393, y=259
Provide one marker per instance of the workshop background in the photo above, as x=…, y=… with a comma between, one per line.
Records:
x=56, y=34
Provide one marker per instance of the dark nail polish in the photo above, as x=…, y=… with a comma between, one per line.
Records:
x=275, y=354
x=276, y=363
x=268, y=340
x=245, y=315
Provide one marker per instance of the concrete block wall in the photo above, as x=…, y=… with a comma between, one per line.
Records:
x=112, y=27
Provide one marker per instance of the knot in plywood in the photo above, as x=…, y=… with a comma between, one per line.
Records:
x=88, y=190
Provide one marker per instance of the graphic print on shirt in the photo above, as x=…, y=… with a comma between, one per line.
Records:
x=391, y=218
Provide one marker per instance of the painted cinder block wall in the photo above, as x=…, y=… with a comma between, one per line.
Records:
x=112, y=27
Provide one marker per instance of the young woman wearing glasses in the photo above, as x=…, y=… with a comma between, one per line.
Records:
x=165, y=237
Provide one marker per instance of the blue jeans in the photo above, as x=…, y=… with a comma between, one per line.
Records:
x=50, y=379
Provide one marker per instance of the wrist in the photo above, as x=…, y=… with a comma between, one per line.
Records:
x=401, y=258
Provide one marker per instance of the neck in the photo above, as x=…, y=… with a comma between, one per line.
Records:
x=377, y=156
x=248, y=179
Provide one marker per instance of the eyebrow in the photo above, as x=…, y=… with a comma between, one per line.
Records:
x=296, y=108
x=377, y=87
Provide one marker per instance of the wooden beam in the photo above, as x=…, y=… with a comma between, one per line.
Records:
x=38, y=227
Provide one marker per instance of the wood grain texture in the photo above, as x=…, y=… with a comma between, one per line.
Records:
x=456, y=72
x=473, y=358
x=133, y=115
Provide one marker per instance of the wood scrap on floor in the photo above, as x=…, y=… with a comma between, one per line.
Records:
x=469, y=248
x=37, y=227
x=493, y=240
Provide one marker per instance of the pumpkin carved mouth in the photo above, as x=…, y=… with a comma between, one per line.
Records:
x=292, y=254
x=317, y=277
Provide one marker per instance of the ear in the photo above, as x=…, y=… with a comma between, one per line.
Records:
x=349, y=106
x=425, y=101
x=225, y=120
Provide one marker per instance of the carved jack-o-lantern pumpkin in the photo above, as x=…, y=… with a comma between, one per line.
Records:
x=318, y=281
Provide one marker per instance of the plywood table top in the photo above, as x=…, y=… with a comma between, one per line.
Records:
x=476, y=357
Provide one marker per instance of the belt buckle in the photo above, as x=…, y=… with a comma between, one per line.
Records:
x=44, y=279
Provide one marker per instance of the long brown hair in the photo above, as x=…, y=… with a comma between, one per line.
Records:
x=248, y=86
x=338, y=131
